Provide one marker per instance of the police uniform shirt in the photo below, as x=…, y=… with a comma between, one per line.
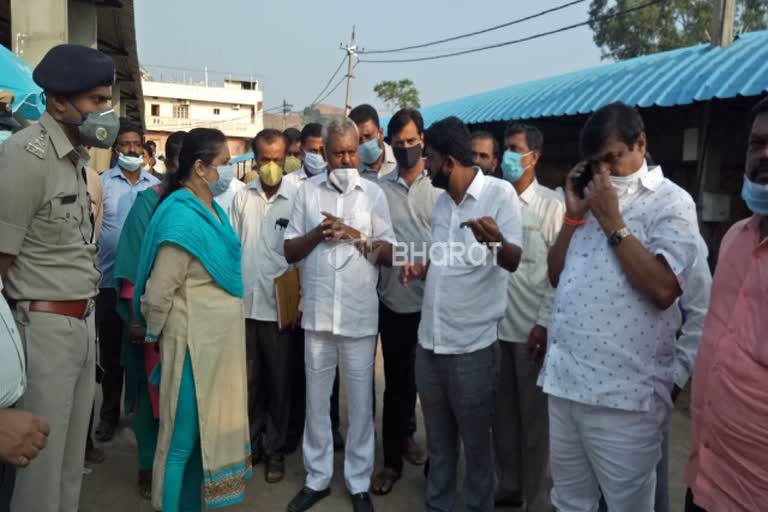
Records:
x=45, y=216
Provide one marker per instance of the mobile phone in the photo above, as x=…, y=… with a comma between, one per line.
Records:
x=581, y=181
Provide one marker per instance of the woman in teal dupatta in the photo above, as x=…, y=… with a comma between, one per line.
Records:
x=189, y=296
x=137, y=359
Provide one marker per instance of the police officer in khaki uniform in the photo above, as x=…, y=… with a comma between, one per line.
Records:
x=48, y=263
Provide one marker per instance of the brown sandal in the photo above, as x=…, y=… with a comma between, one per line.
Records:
x=145, y=484
x=384, y=481
x=274, y=470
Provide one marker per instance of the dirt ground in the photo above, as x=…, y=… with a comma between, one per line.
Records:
x=111, y=486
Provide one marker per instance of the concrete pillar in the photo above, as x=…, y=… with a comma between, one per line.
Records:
x=37, y=26
x=83, y=23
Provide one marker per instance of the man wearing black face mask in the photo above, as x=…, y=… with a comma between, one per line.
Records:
x=411, y=197
x=48, y=264
x=476, y=240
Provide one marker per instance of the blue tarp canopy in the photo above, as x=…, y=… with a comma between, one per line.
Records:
x=16, y=77
x=241, y=158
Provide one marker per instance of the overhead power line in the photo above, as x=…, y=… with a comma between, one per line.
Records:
x=478, y=32
x=517, y=41
x=336, y=86
x=315, y=101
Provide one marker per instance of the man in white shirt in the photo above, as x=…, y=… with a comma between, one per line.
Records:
x=376, y=156
x=476, y=240
x=259, y=216
x=620, y=263
x=22, y=435
x=314, y=163
x=521, y=432
x=694, y=304
x=340, y=230
x=411, y=197
x=312, y=149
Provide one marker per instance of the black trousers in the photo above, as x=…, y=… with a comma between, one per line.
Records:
x=270, y=370
x=7, y=480
x=110, y=331
x=690, y=506
x=399, y=336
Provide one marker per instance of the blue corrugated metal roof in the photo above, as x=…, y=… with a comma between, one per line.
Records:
x=676, y=77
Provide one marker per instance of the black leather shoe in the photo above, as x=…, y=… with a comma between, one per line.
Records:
x=306, y=499
x=361, y=502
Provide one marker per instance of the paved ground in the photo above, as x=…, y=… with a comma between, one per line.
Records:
x=111, y=486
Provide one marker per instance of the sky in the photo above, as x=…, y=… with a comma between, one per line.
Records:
x=292, y=47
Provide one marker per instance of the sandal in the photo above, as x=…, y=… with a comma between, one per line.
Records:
x=145, y=484
x=384, y=481
x=94, y=455
x=105, y=432
x=274, y=470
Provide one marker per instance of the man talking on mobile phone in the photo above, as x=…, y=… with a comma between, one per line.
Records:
x=620, y=263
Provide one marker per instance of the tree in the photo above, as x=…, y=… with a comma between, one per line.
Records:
x=398, y=95
x=664, y=26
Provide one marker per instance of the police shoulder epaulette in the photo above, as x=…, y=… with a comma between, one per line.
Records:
x=38, y=145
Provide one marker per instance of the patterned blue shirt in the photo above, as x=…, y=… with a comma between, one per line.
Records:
x=119, y=196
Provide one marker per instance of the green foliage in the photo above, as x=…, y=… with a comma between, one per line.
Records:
x=398, y=94
x=664, y=26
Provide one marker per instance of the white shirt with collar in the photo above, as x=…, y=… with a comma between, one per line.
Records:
x=13, y=372
x=298, y=177
x=411, y=210
x=529, y=292
x=465, y=294
x=609, y=345
x=225, y=198
x=338, y=283
x=255, y=220
x=695, y=304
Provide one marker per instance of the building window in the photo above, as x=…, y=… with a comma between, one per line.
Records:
x=155, y=110
x=216, y=111
x=181, y=111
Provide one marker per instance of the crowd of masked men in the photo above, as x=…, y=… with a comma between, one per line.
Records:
x=546, y=333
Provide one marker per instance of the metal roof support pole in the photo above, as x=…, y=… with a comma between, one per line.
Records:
x=723, y=20
x=83, y=23
x=37, y=26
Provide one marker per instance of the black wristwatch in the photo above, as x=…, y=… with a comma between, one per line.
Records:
x=617, y=236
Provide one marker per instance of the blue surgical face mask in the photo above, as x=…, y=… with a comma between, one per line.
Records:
x=314, y=163
x=226, y=175
x=511, y=166
x=129, y=163
x=756, y=196
x=4, y=135
x=370, y=151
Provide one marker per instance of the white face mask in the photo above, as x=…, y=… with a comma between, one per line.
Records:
x=624, y=185
x=344, y=179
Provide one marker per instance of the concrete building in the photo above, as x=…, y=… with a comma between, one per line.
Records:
x=236, y=108
x=32, y=27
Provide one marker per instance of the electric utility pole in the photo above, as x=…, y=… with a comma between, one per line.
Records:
x=351, y=54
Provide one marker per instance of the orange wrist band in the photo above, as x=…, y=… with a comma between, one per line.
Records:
x=573, y=222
